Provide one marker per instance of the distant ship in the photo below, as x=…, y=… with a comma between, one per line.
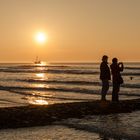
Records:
x=37, y=61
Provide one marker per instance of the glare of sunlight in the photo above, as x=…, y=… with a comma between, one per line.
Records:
x=38, y=101
x=41, y=63
x=41, y=85
x=41, y=37
x=40, y=75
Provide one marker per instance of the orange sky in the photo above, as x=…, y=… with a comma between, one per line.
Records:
x=78, y=30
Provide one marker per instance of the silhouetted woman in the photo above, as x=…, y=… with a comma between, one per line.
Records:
x=117, y=80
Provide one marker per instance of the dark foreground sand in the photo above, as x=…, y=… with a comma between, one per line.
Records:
x=27, y=116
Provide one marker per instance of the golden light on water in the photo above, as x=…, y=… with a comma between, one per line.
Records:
x=42, y=63
x=38, y=102
x=41, y=86
x=40, y=75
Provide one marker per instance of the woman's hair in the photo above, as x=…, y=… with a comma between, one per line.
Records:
x=114, y=60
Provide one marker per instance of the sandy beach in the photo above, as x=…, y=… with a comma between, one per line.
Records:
x=53, y=132
x=34, y=115
x=65, y=121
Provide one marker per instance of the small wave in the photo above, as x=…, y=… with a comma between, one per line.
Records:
x=5, y=101
x=73, y=71
x=21, y=71
x=130, y=85
x=75, y=90
x=56, y=71
x=47, y=96
x=61, y=71
x=131, y=74
x=132, y=68
x=59, y=82
x=87, y=83
x=53, y=66
x=37, y=66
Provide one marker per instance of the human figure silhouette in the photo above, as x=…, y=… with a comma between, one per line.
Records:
x=104, y=76
x=117, y=80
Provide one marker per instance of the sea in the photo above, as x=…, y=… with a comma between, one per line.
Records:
x=22, y=84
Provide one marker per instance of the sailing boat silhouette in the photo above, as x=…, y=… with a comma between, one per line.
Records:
x=37, y=61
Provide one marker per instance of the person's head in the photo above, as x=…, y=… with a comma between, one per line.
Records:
x=114, y=60
x=105, y=58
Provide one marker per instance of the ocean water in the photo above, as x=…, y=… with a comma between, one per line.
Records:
x=22, y=84
x=55, y=83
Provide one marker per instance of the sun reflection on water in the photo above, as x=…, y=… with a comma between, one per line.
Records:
x=37, y=101
x=41, y=86
x=41, y=64
x=40, y=75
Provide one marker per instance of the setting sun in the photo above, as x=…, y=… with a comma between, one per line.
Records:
x=41, y=37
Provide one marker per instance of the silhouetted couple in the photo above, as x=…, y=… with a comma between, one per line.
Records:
x=105, y=76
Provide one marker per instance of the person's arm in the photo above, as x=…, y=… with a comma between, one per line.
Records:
x=121, y=67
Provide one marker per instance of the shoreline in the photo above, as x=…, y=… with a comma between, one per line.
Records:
x=35, y=115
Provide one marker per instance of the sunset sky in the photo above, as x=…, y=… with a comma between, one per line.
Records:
x=76, y=30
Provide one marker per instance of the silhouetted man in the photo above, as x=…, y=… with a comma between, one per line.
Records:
x=116, y=68
x=104, y=76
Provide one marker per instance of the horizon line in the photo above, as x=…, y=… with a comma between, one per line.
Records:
x=84, y=62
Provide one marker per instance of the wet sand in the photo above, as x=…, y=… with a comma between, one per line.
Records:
x=34, y=115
